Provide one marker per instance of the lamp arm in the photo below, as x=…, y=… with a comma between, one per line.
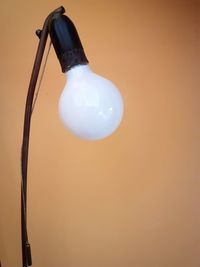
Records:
x=42, y=34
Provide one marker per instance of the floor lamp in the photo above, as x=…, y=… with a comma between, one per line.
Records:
x=90, y=106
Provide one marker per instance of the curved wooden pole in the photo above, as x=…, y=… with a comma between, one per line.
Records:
x=42, y=34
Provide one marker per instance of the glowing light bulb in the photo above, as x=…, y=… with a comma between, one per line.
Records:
x=90, y=106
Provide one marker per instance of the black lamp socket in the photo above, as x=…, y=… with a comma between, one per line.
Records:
x=66, y=42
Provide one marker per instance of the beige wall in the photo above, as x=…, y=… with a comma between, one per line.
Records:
x=131, y=200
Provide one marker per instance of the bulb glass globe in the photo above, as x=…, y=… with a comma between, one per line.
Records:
x=90, y=106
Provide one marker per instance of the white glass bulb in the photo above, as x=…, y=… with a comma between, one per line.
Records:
x=90, y=106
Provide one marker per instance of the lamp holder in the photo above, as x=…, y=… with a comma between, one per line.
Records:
x=66, y=42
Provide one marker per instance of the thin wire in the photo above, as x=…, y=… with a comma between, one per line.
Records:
x=33, y=105
x=41, y=78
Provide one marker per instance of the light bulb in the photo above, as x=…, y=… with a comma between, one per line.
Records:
x=90, y=106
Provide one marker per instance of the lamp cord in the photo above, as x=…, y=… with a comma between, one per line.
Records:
x=41, y=77
x=26, y=246
x=26, y=251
